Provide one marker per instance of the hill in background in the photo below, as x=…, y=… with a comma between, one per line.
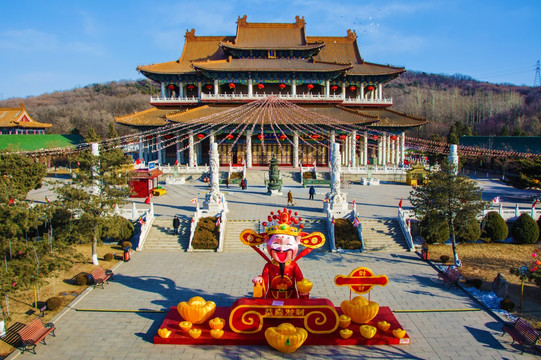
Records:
x=489, y=109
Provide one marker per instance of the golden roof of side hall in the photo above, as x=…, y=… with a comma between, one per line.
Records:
x=18, y=117
x=277, y=65
x=388, y=118
x=151, y=117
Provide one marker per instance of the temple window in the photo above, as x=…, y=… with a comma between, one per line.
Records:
x=272, y=54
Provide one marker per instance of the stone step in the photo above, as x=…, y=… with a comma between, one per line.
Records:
x=161, y=237
x=383, y=235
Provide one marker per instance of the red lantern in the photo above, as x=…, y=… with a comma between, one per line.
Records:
x=375, y=137
x=343, y=137
x=190, y=87
x=231, y=85
x=334, y=88
x=315, y=136
x=168, y=137
x=282, y=86
x=261, y=86
x=352, y=88
x=358, y=137
x=283, y=137
x=229, y=136
x=370, y=87
x=171, y=87
x=393, y=137
x=310, y=86
x=260, y=136
x=200, y=136
x=209, y=86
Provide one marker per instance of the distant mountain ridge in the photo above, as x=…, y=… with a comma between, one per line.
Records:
x=489, y=109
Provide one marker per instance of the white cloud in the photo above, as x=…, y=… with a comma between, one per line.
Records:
x=27, y=41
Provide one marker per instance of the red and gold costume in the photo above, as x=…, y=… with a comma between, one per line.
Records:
x=281, y=273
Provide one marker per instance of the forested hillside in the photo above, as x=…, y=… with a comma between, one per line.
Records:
x=489, y=109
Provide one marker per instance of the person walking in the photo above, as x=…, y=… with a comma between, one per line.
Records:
x=176, y=224
x=227, y=182
x=290, y=198
x=312, y=192
x=243, y=184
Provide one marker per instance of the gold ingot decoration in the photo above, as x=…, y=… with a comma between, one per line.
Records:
x=367, y=331
x=344, y=321
x=185, y=325
x=346, y=333
x=195, y=333
x=164, y=333
x=216, y=333
x=217, y=323
x=383, y=325
x=399, y=333
x=359, y=309
x=285, y=337
x=304, y=286
x=196, y=310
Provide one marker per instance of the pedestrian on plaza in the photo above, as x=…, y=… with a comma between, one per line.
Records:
x=312, y=192
x=227, y=182
x=290, y=198
x=176, y=224
x=243, y=184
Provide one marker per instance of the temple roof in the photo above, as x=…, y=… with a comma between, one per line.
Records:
x=147, y=118
x=270, y=35
x=390, y=119
x=276, y=65
x=19, y=118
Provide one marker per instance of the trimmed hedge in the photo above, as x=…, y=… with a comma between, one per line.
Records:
x=434, y=228
x=206, y=234
x=525, y=230
x=346, y=235
x=493, y=227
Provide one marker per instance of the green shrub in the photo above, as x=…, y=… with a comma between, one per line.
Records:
x=467, y=228
x=444, y=258
x=82, y=278
x=126, y=244
x=493, y=227
x=434, y=228
x=53, y=303
x=108, y=257
x=525, y=230
x=206, y=234
x=117, y=228
x=346, y=235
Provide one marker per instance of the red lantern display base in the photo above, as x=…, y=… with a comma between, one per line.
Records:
x=230, y=337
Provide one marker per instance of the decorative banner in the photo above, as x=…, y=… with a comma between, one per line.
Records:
x=361, y=280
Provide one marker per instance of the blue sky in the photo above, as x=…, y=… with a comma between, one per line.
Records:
x=47, y=46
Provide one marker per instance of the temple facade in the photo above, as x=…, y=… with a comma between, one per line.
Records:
x=271, y=91
x=17, y=121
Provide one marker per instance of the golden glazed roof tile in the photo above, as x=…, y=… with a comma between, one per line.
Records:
x=149, y=117
x=390, y=118
x=279, y=65
x=18, y=117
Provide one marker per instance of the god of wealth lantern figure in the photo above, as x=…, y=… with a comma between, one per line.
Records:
x=282, y=277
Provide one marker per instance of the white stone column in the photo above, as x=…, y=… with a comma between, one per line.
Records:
x=365, y=150
x=140, y=147
x=181, y=89
x=199, y=89
x=295, y=150
x=250, y=89
x=211, y=137
x=162, y=90
x=380, y=151
x=327, y=88
x=336, y=203
x=249, y=160
x=214, y=199
x=402, y=147
x=191, y=150
x=178, y=145
x=380, y=91
x=332, y=139
x=343, y=94
x=294, y=87
x=393, y=151
x=216, y=88
x=159, y=149
x=353, y=147
x=362, y=90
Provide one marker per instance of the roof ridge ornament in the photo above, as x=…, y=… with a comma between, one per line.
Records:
x=242, y=21
x=299, y=22
x=190, y=35
x=352, y=35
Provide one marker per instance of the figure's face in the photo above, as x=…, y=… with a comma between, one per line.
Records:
x=282, y=248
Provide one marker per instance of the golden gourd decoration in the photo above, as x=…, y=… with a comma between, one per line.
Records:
x=359, y=309
x=285, y=337
x=196, y=310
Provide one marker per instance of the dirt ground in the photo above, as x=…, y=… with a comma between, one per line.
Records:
x=485, y=261
x=22, y=308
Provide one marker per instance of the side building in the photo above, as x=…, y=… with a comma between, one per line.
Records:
x=271, y=91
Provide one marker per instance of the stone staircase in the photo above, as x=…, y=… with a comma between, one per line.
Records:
x=320, y=225
x=161, y=238
x=233, y=229
x=383, y=235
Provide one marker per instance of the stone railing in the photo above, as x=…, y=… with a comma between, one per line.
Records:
x=404, y=219
x=200, y=213
x=511, y=214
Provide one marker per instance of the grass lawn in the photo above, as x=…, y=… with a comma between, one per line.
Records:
x=21, y=304
x=485, y=261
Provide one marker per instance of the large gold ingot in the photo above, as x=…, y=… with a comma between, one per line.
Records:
x=359, y=309
x=304, y=286
x=196, y=310
x=285, y=337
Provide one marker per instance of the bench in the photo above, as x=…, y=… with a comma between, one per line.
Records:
x=450, y=276
x=522, y=332
x=101, y=276
x=33, y=333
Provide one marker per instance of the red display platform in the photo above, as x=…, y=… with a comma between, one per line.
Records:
x=230, y=337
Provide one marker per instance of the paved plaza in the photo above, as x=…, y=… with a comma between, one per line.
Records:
x=157, y=281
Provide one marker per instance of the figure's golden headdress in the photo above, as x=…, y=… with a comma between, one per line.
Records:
x=281, y=223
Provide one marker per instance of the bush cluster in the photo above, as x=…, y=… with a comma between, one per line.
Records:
x=493, y=227
x=346, y=235
x=53, y=303
x=82, y=279
x=434, y=228
x=206, y=234
x=108, y=257
x=525, y=230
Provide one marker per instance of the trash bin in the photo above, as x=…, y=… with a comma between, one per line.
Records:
x=424, y=253
x=127, y=255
